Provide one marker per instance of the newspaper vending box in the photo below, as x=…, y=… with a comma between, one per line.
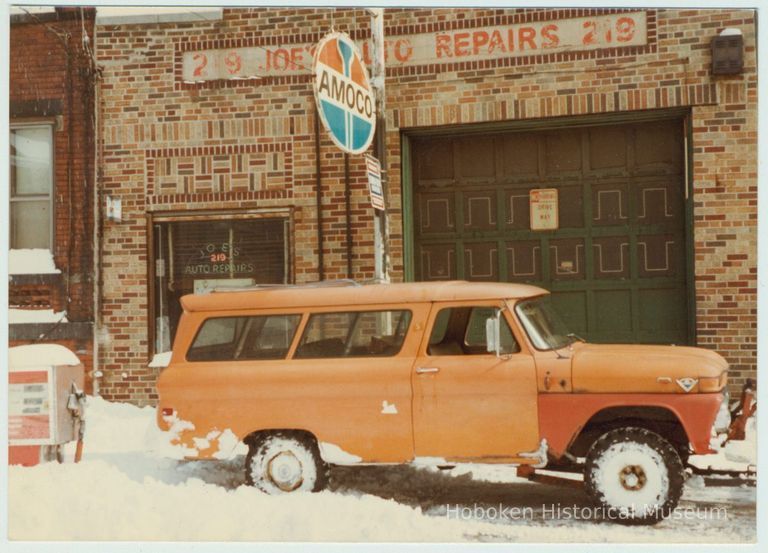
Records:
x=45, y=403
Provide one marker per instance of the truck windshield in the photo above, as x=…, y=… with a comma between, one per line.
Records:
x=543, y=325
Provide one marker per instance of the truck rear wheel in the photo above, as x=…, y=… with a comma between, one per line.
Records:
x=635, y=475
x=285, y=461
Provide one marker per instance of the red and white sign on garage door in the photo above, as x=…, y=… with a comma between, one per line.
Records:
x=544, y=213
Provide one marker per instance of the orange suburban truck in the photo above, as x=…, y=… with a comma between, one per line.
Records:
x=434, y=374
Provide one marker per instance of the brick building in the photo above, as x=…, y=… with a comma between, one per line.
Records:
x=208, y=140
x=51, y=176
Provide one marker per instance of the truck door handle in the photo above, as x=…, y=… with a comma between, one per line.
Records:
x=427, y=370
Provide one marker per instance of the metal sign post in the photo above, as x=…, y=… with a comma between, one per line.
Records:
x=380, y=223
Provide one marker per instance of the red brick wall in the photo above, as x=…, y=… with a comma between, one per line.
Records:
x=147, y=107
x=39, y=78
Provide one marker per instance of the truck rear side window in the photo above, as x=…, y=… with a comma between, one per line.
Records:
x=244, y=338
x=354, y=334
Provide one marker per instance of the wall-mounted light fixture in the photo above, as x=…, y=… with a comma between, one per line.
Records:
x=114, y=209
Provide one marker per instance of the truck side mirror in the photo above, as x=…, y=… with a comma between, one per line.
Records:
x=493, y=334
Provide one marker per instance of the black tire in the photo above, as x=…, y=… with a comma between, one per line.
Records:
x=285, y=461
x=634, y=475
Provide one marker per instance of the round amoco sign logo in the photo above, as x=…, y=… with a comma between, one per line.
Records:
x=343, y=93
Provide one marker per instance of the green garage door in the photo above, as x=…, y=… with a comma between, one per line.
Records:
x=616, y=263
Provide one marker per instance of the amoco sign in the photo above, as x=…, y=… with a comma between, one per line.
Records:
x=343, y=93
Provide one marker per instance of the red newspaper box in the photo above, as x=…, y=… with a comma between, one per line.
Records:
x=45, y=402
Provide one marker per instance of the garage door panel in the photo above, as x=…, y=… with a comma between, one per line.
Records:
x=611, y=258
x=524, y=260
x=617, y=259
x=566, y=259
x=517, y=208
x=435, y=159
x=570, y=206
x=480, y=210
x=658, y=256
x=613, y=311
x=572, y=307
x=436, y=213
x=610, y=204
x=476, y=158
x=481, y=261
x=608, y=150
x=563, y=152
x=658, y=148
x=520, y=153
x=659, y=202
x=438, y=262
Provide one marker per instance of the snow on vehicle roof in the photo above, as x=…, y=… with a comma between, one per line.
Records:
x=40, y=355
x=369, y=294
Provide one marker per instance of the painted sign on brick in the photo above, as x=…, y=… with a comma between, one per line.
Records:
x=441, y=47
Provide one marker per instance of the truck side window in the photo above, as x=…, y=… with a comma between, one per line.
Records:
x=461, y=331
x=354, y=334
x=240, y=338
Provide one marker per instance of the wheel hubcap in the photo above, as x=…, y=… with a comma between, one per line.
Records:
x=632, y=477
x=284, y=470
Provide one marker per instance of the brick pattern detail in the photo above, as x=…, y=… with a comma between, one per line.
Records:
x=243, y=172
x=147, y=109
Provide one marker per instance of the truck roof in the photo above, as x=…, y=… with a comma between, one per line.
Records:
x=367, y=294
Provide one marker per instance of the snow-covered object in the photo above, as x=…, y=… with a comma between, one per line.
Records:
x=284, y=464
x=652, y=494
x=124, y=491
x=29, y=316
x=40, y=355
x=331, y=453
x=31, y=262
x=737, y=455
x=160, y=360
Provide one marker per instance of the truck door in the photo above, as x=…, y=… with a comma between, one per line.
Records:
x=469, y=404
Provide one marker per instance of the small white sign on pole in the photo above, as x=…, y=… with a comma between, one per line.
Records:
x=544, y=212
x=373, y=169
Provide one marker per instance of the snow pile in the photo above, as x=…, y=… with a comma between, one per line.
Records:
x=40, y=355
x=125, y=490
x=31, y=262
x=29, y=316
x=122, y=491
x=735, y=455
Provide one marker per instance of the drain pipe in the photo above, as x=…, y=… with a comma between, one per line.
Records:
x=319, y=200
x=97, y=222
x=348, y=216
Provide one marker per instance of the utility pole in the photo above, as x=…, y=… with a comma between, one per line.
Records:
x=380, y=223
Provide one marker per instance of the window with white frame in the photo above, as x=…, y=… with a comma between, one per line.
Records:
x=31, y=186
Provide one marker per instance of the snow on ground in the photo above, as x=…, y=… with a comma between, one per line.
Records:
x=31, y=261
x=123, y=490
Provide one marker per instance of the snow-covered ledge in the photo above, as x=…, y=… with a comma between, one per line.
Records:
x=135, y=15
x=31, y=262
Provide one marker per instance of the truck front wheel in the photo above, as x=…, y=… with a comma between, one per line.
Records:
x=634, y=475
